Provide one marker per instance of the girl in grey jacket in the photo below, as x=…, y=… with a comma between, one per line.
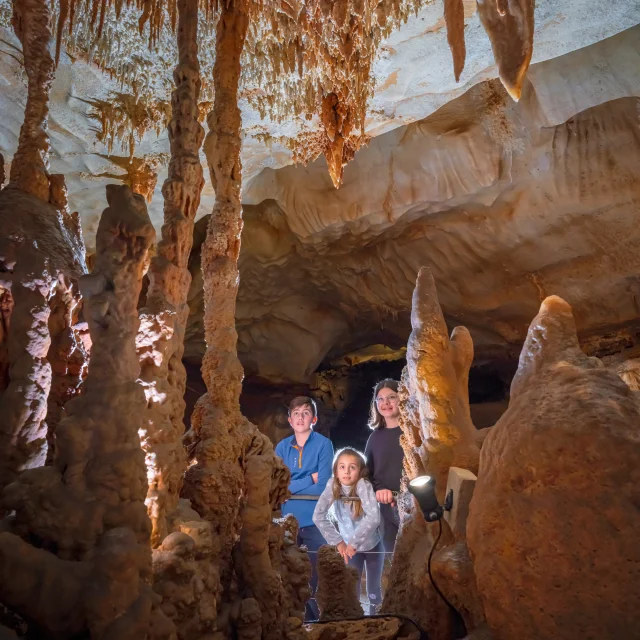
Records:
x=350, y=502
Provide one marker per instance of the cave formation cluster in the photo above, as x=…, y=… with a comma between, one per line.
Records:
x=117, y=524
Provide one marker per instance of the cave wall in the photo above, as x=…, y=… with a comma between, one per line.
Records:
x=506, y=202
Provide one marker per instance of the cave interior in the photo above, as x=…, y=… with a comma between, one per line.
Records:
x=208, y=209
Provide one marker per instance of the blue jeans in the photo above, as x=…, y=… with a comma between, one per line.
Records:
x=389, y=525
x=373, y=562
x=311, y=538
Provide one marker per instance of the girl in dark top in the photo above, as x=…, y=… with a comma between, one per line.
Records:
x=384, y=456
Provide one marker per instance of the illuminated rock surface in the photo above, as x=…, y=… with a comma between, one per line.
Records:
x=553, y=521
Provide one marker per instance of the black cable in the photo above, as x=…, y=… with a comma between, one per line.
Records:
x=423, y=633
x=461, y=627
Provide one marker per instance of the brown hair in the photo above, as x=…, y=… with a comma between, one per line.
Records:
x=363, y=473
x=376, y=419
x=300, y=401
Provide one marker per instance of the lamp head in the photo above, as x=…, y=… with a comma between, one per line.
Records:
x=423, y=488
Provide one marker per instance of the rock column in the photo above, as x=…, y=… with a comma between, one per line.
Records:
x=161, y=338
x=235, y=480
x=30, y=165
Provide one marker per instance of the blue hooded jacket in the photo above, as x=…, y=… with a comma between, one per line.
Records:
x=315, y=456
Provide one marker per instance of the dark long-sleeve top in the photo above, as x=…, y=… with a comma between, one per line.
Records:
x=384, y=458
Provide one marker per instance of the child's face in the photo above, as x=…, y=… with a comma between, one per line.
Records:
x=387, y=401
x=301, y=419
x=348, y=470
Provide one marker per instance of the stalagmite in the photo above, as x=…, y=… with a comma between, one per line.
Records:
x=337, y=596
x=23, y=431
x=22, y=426
x=554, y=518
x=33, y=259
x=454, y=19
x=30, y=165
x=509, y=25
x=437, y=433
x=67, y=355
x=163, y=320
x=88, y=507
x=437, y=429
x=39, y=248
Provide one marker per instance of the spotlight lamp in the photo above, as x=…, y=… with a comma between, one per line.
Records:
x=423, y=488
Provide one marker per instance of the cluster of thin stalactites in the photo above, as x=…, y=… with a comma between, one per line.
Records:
x=302, y=59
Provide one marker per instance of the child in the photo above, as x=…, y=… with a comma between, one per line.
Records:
x=308, y=455
x=358, y=537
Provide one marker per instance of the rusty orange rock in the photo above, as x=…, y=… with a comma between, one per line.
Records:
x=554, y=518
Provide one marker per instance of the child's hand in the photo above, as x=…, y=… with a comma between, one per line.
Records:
x=350, y=551
x=342, y=550
x=384, y=496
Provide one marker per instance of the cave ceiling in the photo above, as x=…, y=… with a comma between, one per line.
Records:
x=506, y=202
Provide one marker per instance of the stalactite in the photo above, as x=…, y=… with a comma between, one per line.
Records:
x=163, y=321
x=30, y=165
x=89, y=506
x=510, y=26
x=454, y=19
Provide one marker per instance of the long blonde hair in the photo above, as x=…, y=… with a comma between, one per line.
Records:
x=376, y=419
x=363, y=473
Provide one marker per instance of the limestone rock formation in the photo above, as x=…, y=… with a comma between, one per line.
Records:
x=86, y=513
x=378, y=629
x=553, y=521
x=437, y=433
x=509, y=24
x=235, y=480
x=40, y=253
x=67, y=355
x=337, y=596
x=185, y=575
x=160, y=341
x=454, y=17
x=30, y=166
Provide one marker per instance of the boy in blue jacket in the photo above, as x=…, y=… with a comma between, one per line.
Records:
x=309, y=457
